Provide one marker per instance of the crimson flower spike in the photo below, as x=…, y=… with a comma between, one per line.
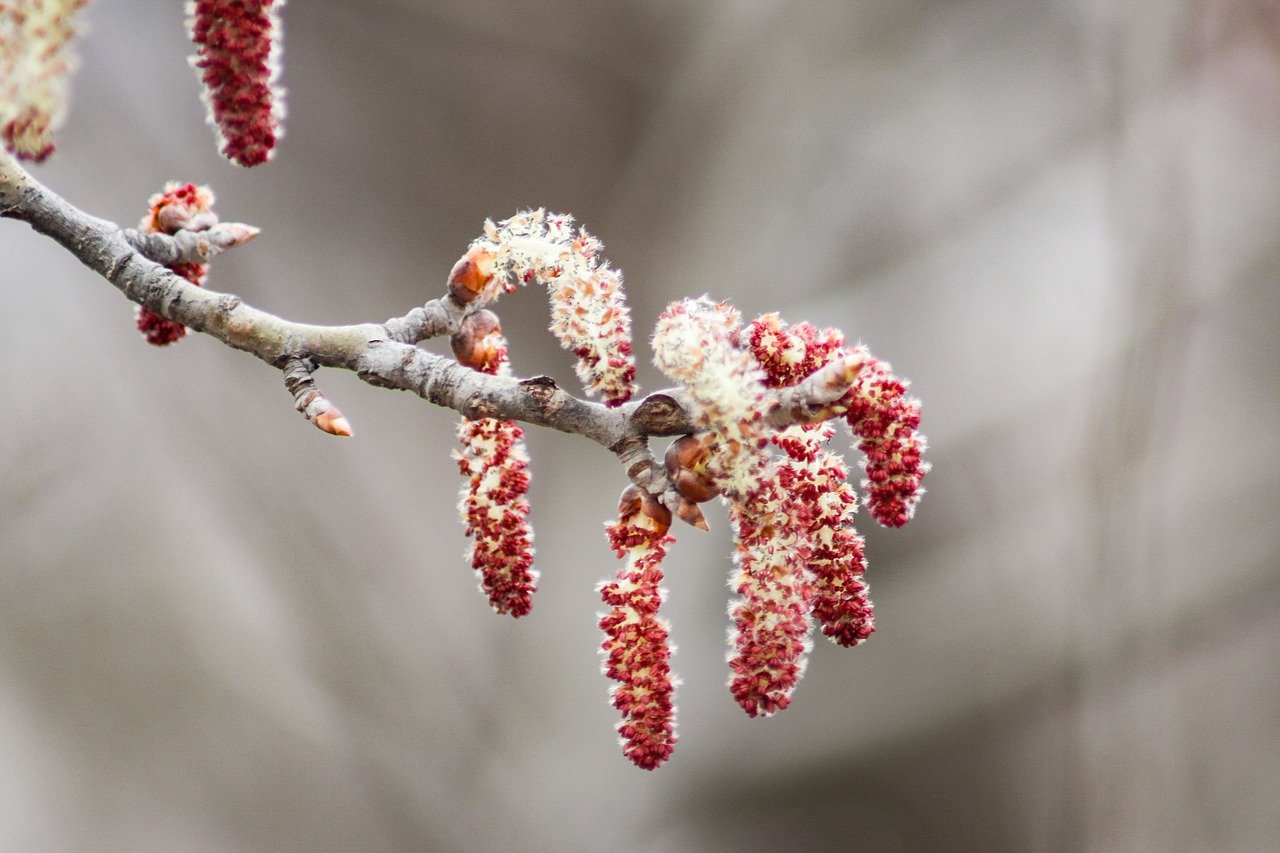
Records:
x=238, y=57
x=636, y=649
x=819, y=480
x=698, y=343
x=886, y=423
x=770, y=635
x=885, y=420
x=494, y=506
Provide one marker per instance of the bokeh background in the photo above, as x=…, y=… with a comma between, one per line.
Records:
x=221, y=629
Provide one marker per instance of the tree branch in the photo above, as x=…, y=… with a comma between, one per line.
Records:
x=382, y=354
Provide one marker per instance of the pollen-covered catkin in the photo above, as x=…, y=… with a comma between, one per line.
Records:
x=495, y=466
x=637, y=649
x=179, y=206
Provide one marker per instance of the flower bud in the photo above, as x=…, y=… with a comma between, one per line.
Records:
x=478, y=343
x=172, y=218
x=471, y=275
x=686, y=463
x=642, y=509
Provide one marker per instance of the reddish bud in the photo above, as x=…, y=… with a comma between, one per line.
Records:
x=478, y=343
x=172, y=218
x=333, y=422
x=686, y=464
x=471, y=275
x=641, y=509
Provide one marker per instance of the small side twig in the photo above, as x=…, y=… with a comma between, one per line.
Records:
x=189, y=245
x=384, y=355
x=308, y=399
x=809, y=401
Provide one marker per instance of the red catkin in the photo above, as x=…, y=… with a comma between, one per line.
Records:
x=237, y=56
x=637, y=650
x=494, y=506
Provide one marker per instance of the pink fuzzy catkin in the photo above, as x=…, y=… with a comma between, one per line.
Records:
x=885, y=420
x=770, y=633
x=589, y=313
x=637, y=648
x=238, y=57
x=494, y=506
x=818, y=481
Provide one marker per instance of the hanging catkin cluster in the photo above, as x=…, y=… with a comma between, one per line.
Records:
x=754, y=401
x=636, y=650
x=798, y=559
x=495, y=470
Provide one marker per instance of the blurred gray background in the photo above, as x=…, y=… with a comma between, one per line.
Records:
x=221, y=629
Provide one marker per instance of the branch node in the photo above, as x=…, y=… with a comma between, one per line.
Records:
x=435, y=318
x=639, y=470
x=541, y=389
x=539, y=382
x=660, y=414
x=479, y=410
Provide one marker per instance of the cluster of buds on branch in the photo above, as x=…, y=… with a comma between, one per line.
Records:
x=180, y=207
x=751, y=413
x=185, y=211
